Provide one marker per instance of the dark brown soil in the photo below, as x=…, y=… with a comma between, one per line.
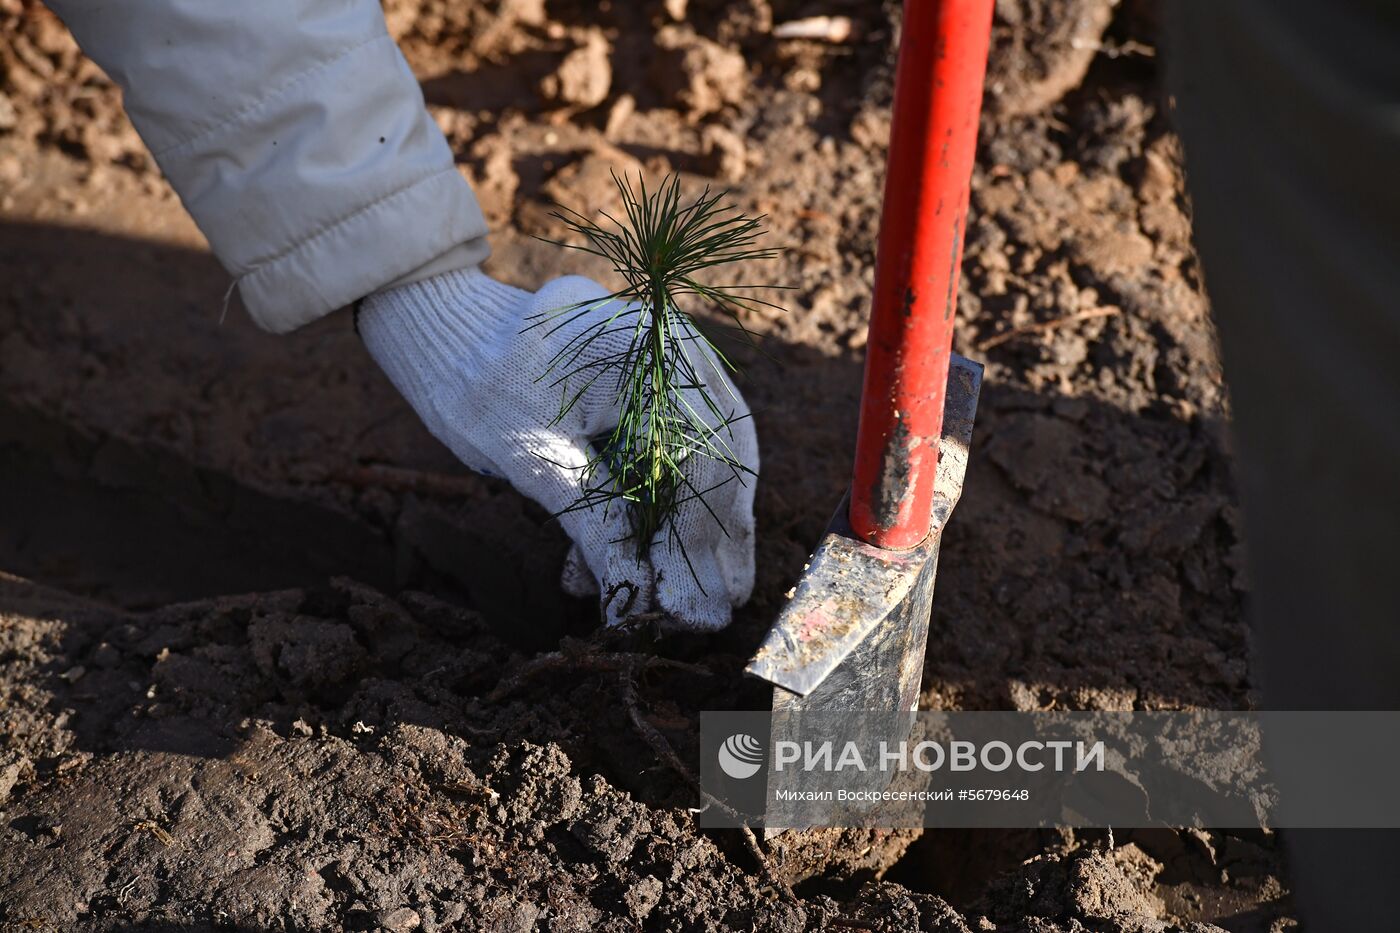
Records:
x=332, y=759
x=325, y=756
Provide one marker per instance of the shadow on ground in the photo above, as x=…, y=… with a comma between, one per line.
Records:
x=156, y=457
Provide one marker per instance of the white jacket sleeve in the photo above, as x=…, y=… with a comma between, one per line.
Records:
x=296, y=136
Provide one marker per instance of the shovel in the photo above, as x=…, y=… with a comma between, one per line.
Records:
x=852, y=636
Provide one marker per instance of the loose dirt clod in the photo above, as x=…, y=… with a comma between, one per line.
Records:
x=585, y=75
x=724, y=154
x=1041, y=50
x=701, y=75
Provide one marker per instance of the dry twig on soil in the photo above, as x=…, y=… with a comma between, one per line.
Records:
x=155, y=829
x=585, y=661
x=821, y=28
x=1047, y=326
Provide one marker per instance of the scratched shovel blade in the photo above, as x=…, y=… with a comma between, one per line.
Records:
x=852, y=636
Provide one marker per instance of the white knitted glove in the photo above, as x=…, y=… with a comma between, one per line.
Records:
x=457, y=348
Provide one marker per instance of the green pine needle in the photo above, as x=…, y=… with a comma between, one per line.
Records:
x=659, y=251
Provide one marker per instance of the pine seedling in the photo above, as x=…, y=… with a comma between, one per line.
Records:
x=666, y=410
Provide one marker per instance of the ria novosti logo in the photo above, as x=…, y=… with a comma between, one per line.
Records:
x=741, y=756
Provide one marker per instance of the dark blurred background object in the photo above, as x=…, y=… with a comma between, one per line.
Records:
x=1290, y=118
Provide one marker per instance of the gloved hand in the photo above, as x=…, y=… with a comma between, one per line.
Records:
x=456, y=346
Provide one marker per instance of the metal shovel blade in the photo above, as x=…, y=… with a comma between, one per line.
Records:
x=853, y=633
x=851, y=639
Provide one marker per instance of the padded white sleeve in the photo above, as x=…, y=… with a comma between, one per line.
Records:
x=296, y=136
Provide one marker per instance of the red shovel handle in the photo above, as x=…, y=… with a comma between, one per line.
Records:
x=933, y=141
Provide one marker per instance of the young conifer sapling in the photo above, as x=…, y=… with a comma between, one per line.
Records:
x=665, y=252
